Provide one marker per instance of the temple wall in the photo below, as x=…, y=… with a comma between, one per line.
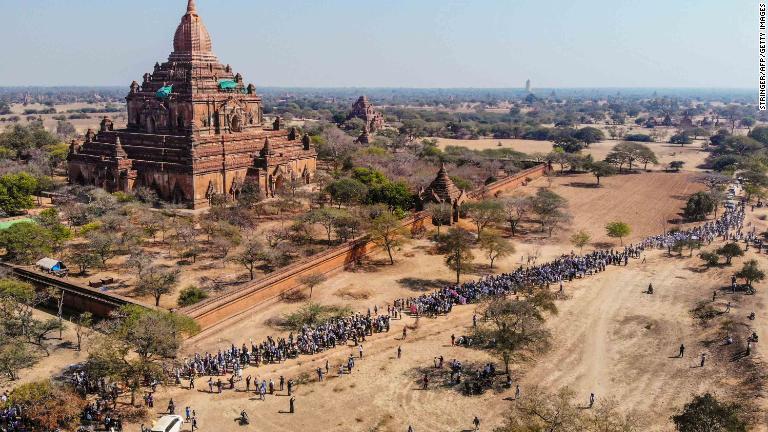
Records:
x=166, y=184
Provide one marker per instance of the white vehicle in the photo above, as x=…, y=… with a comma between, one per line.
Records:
x=168, y=423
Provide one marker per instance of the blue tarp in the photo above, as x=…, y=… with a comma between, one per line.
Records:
x=164, y=92
x=227, y=85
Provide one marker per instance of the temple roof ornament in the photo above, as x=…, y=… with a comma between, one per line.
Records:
x=192, y=40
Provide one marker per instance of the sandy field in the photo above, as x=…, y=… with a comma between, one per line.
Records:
x=609, y=337
x=81, y=125
x=691, y=154
x=648, y=202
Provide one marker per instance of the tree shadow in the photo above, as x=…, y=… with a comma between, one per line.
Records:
x=603, y=245
x=584, y=185
x=420, y=285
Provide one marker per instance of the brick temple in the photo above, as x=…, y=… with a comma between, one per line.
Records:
x=195, y=130
x=442, y=190
x=365, y=111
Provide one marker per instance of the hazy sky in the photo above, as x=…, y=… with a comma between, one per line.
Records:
x=393, y=43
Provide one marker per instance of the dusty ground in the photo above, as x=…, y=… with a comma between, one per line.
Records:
x=691, y=154
x=609, y=337
x=648, y=202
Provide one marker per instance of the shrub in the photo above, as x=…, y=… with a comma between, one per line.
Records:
x=191, y=295
x=638, y=138
x=710, y=259
x=313, y=314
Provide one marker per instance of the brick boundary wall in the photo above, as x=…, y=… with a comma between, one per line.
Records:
x=234, y=302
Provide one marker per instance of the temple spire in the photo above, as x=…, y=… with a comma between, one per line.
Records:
x=191, y=7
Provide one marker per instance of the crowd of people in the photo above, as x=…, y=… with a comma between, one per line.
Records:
x=339, y=331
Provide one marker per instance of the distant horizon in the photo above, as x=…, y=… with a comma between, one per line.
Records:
x=486, y=44
x=534, y=89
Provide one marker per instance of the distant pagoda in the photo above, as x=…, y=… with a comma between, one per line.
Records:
x=442, y=190
x=195, y=130
x=365, y=111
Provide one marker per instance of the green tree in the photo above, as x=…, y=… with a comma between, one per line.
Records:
x=580, y=239
x=15, y=355
x=645, y=155
x=484, y=213
x=191, y=295
x=699, y=205
x=676, y=165
x=23, y=139
x=550, y=209
x=601, y=169
x=347, y=191
x=751, y=272
x=495, y=246
x=618, y=230
x=26, y=242
x=589, y=135
x=396, y=195
x=135, y=343
x=707, y=414
x=16, y=192
x=49, y=219
x=514, y=329
x=730, y=251
x=680, y=138
x=710, y=259
x=456, y=246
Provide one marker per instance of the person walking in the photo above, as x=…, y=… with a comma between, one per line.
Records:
x=360, y=350
x=476, y=423
x=517, y=391
x=194, y=424
x=591, y=400
x=171, y=407
x=682, y=351
x=728, y=307
x=703, y=359
x=292, y=405
x=399, y=351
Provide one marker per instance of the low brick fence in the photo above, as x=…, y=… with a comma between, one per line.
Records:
x=241, y=299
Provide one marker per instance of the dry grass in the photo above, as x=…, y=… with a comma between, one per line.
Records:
x=350, y=293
